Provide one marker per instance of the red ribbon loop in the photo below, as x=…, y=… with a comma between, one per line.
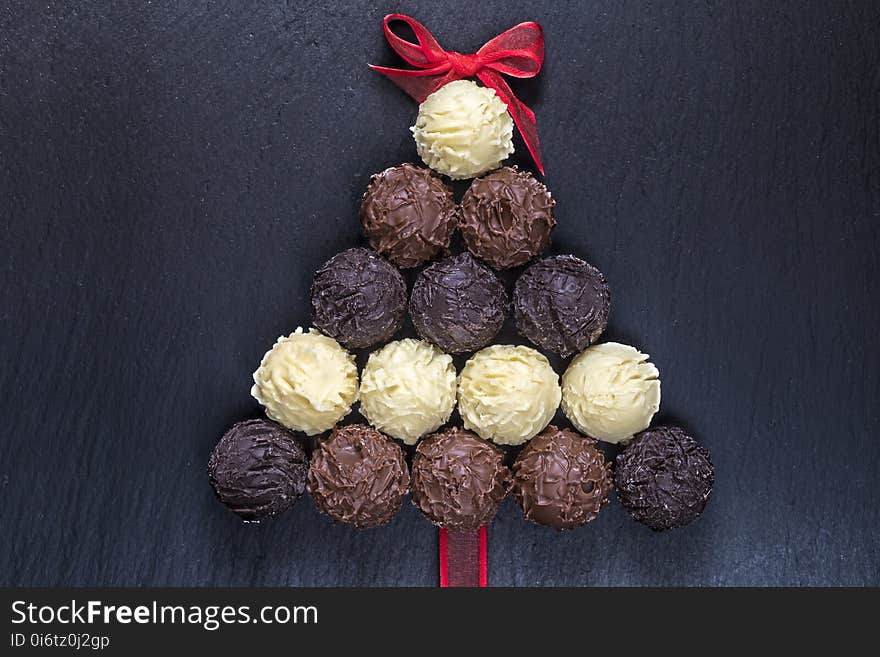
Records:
x=518, y=52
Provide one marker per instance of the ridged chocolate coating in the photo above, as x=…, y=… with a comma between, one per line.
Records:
x=561, y=479
x=458, y=479
x=258, y=469
x=562, y=304
x=408, y=214
x=358, y=298
x=664, y=478
x=458, y=304
x=358, y=476
x=507, y=217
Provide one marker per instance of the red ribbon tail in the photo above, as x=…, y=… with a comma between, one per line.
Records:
x=463, y=559
x=523, y=117
x=418, y=84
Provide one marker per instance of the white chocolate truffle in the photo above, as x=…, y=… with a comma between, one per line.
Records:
x=307, y=382
x=463, y=130
x=408, y=389
x=610, y=391
x=507, y=393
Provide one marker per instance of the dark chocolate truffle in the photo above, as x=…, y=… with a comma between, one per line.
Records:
x=506, y=218
x=664, y=478
x=258, y=469
x=359, y=476
x=561, y=304
x=408, y=215
x=458, y=479
x=561, y=479
x=458, y=304
x=358, y=298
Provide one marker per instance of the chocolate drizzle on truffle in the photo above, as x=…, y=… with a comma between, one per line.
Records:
x=561, y=304
x=458, y=304
x=358, y=298
x=358, y=476
x=258, y=469
x=664, y=478
x=458, y=479
x=561, y=479
x=506, y=218
x=408, y=215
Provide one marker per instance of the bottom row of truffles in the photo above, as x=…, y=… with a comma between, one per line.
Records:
x=359, y=476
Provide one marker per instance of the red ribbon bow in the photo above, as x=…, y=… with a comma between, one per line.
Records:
x=518, y=52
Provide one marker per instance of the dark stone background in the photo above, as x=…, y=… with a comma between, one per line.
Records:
x=172, y=173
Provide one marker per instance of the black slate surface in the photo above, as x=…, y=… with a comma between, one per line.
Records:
x=172, y=173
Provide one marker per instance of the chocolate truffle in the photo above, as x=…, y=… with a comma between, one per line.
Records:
x=561, y=479
x=561, y=304
x=507, y=393
x=458, y=479
x=408, y=389
x=664, y=478
x=358, y=476
x=306, y=381
x=458, y=304
x=408, y=215
x=463, y=130
x=258, y=469
x=611, y=391
x=358, y=298
x=506, y=218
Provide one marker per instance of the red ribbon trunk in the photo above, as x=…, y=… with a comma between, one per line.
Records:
x=463, y=559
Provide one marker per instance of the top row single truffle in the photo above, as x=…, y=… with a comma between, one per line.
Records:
x=409, y=215
x=463, y=130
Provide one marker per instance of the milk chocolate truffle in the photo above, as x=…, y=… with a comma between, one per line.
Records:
x=561, y=480
x=358, y=298
x=258, y=469
x=358, y=476
x=463, y=130
x=458, y=304
x=408, y=215
x=408, y=389
x=664, y=478
x=561, y=304
x=307, y=382
x=611, y=391
x=458, y=479
x=506, y=218
x=507, y=393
